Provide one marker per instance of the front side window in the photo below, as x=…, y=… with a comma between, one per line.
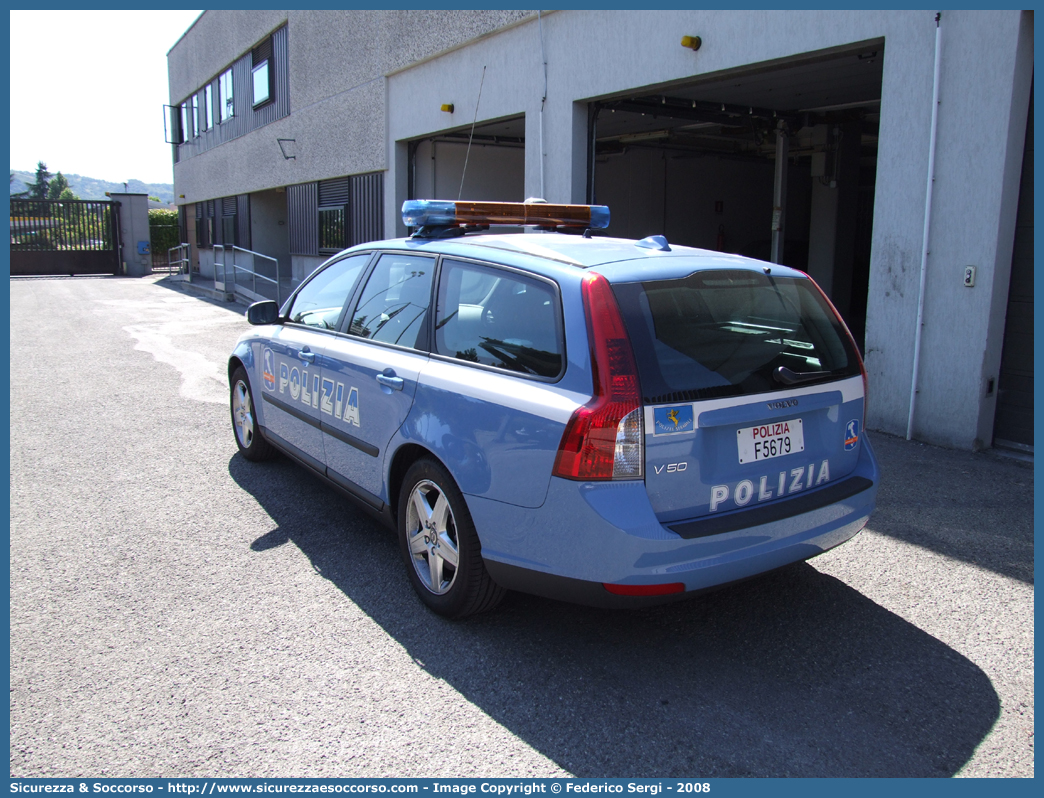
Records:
x=395, y=301
x=208, y=100
x=498, y=318
x=225, y=104
x=321, y=299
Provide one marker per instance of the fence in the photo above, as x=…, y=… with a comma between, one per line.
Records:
x=64, y=237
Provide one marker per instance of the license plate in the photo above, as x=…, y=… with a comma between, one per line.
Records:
x=766, y=441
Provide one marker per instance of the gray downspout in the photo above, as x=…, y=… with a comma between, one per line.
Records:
x=924, y=241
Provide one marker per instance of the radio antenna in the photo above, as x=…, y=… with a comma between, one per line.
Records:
x=473, y=121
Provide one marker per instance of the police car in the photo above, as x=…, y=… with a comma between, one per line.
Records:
x=606, y=421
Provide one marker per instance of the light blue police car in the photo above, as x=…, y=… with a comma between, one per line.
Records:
x=599, y=420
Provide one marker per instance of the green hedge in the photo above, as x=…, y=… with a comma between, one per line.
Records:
x=163, y=230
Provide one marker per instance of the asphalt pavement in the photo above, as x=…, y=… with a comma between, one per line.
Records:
x=177, y=611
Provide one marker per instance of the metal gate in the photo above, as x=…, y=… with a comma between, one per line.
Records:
x=64, y=237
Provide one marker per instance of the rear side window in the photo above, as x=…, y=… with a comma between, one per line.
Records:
x=498, y=318
x=727, y=333
x=395, y=300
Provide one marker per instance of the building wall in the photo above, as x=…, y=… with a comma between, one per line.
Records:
x=337, y=120
x=395, y=69
x=304, y=265
x=987, y=68
x=134, y=227
x=268, y=219
x=986, y=71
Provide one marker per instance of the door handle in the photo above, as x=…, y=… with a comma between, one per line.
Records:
x=389, y=381
x=307, y=356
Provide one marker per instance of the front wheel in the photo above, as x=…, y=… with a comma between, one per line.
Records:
x=439, y=544
x=244, y=420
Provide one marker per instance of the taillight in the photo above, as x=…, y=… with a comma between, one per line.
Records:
x=851, y=340
x=604, y=438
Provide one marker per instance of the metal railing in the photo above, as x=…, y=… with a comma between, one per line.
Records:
x=222, y=277
x=181, y=264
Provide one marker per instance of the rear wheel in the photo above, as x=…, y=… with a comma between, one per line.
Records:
x=244, y=420
x=439, y=544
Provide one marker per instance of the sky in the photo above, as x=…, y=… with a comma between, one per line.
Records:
x=99, y=112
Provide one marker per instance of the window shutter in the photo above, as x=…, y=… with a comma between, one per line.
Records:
x=262, y=52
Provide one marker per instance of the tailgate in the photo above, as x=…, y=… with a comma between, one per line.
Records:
x=752, y=387
x=719, y=455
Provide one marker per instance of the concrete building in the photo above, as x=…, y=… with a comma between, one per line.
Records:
x=800, y=136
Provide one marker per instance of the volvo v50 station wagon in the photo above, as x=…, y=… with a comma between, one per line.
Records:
x=605, y=421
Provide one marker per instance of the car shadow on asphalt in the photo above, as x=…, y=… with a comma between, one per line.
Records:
x=972, y=506
x=791, y=674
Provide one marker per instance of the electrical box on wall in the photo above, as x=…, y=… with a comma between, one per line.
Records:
x=969, y=276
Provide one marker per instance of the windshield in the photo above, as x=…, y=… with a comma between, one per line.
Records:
x=732, y=333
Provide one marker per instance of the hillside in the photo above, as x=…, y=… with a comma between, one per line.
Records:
x=92, y=188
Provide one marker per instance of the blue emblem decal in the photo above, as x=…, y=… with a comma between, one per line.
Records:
x=268, y=370
x=671, y=420
x=851, y=435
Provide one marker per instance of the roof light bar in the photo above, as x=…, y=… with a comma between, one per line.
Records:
x=447, y=213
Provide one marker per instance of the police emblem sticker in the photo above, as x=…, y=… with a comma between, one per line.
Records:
x=851, y=435
x=672, y=420
x=268, y=370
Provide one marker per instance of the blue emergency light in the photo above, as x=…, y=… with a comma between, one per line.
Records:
x=447, y=213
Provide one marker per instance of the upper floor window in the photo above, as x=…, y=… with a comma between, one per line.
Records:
x=195, y=115
x=184, y=122
x=261, y=91
x=208, y=101
x=225, y=105
x=261, y=72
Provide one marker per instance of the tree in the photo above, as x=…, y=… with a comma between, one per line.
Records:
x=38, y=189
x=58, y=187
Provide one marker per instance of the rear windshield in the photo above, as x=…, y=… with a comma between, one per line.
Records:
x=732, y=333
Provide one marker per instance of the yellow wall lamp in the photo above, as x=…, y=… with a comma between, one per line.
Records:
x=692, y=42
x=447, y=107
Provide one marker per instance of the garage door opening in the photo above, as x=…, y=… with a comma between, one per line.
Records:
x=701, y=163
x=443, y=167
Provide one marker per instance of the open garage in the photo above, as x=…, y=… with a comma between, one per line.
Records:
x=487, y=163
x=702, y=162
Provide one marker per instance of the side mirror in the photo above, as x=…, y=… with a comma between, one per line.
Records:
x=264, y=312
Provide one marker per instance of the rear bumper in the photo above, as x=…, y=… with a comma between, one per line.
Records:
x=589, y=534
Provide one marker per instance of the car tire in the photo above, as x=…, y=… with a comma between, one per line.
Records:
x=244, y=419
x=439, y=544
